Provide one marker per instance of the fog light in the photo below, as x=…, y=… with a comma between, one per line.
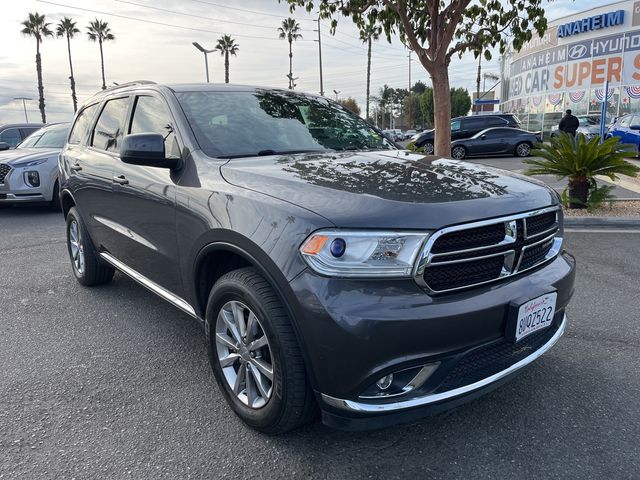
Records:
x=385, y=382
x=32, y=178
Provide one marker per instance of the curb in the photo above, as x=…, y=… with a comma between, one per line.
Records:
x=603, y=222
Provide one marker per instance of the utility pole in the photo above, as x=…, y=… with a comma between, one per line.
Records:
x=478, y=84
x=410, y=96
x=24, y=106
x=337, y=92
x=320, y=56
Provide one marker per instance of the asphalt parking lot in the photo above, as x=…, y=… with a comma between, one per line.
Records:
x=112, y=382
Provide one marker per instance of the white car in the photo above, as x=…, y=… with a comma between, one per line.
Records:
x=29, y=173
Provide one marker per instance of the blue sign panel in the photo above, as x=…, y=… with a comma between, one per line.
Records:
x=597, y=22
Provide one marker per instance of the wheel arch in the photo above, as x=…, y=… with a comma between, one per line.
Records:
x=219, y=257
x=66, y=201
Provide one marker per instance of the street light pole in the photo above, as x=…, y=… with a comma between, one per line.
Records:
x=478, y=84
x=24, y=106
x=337, y=92
x=206, y=60
x=410, y=97
x=320, y=57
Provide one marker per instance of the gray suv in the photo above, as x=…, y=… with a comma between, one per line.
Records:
x=329, y=270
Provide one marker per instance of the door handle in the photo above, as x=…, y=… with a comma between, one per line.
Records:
x=75, y=167
x=120, y=179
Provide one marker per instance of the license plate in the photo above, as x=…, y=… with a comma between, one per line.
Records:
x=535, y=315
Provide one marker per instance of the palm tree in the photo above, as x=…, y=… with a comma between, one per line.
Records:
x=290, y=30
x=227, y=46
x=67, y=28
x=99, y=31
x=35, y=26
x=581, y=160
x=368, y=35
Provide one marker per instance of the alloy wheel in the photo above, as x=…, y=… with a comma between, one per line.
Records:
x=244, y=354
x=458, y=153
x=428, y=148
x=76, y=247
x=523, y=150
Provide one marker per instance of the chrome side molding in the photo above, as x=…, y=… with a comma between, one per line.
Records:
x=149, y=284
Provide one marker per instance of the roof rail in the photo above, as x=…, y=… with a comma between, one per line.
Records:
x=129, y=84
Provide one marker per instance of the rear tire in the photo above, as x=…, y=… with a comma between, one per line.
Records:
x=523, y=149
x=55, y=203
x=428, y=147
x=281, y=403
x=87, y=267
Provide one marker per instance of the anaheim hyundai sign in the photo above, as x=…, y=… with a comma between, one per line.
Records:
x=583, y=64
x=589, y=24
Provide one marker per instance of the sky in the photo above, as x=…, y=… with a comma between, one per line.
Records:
x=154, y=42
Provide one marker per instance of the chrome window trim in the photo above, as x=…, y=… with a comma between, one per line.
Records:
x=151, y=285
x=373, y=408
x=426, y=256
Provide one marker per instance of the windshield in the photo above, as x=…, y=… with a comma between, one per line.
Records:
x=46, y=139
x=589, y=120
x=263, y=122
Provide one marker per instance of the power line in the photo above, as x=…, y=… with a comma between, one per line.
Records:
x=175, y=12
x=250, y=11
x=172, y=25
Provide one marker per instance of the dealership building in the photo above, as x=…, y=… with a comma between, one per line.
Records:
x=570, y=65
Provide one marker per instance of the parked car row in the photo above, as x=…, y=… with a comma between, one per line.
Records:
x=29, y=173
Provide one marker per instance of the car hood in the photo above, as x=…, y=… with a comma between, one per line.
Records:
x=593, y=129
x=394, y=189
x=20, y=156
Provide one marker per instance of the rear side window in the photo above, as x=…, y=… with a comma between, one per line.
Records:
x=11, y=136
x=107, y=134
x=81, y=125
x=496, y=122
x=474, y=123
x=151, y=115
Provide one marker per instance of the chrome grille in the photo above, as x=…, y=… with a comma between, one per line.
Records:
x=4, y=170
x=468, y=255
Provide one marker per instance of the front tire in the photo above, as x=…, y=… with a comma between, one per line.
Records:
x=523, y=149
x=458, y=152
x=85, y=263
x=255, y=355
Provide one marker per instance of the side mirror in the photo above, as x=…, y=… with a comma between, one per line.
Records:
x=483, y=137
x=146, y=149
x=4, y=146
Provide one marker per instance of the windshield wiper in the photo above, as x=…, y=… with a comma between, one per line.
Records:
x=266, y=152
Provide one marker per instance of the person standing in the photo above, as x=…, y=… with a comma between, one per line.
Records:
x=569, y=123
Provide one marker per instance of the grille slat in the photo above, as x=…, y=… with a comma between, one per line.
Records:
x=518, y=252
x=4, y=170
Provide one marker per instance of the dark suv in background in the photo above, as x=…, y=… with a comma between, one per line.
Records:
x=466, y=127
x=327, y=267
x=13, y=133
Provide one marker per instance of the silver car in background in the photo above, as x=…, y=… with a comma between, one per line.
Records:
x=589, y=126
x=29, y=173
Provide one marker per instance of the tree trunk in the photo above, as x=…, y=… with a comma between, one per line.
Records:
x=40, y=86
x=290, y=65
x=104, y=84
x=368, y=75
x=71, y=78
x=578, y=192
x=441, y=109
x=226, y=67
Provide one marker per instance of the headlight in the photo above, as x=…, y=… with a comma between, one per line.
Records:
x=342, y=253
x=32, y=163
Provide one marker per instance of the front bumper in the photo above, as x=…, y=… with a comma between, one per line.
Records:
x=357, y=415
x=14, y=189
x=354, y=332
